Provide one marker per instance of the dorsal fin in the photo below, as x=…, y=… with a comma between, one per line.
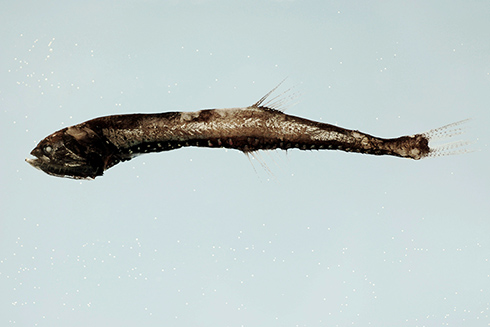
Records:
x=277, y=102
x=261, y=101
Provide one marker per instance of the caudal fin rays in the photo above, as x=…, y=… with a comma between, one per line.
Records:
x=437, y=140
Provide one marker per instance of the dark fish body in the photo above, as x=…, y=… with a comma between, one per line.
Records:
x=88, y=149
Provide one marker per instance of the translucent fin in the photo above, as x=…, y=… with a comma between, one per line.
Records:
x=438, y=136
x=279, y=101
x=255, y=155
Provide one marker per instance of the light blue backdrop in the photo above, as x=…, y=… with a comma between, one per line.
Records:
x=202, y=237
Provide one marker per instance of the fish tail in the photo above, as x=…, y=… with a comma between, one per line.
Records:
x=442, y=140
x=434, y=143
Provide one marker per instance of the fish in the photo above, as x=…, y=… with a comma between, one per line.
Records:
x=88, y=149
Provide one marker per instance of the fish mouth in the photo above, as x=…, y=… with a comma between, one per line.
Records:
x=43, y=166
x=34, y=162
x=74, y=172
x=37, y=161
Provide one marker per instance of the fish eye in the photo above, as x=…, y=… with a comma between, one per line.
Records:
x=47, y=149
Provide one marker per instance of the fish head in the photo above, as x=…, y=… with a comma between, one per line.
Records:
x=72, y=152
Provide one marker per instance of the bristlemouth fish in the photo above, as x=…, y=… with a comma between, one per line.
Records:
x=86, y=150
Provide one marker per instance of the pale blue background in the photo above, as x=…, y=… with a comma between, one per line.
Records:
x=197, y=237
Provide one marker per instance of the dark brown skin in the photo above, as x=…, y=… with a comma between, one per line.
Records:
x=86, y=150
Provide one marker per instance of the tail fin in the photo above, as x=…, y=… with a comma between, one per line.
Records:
x=437, y=140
